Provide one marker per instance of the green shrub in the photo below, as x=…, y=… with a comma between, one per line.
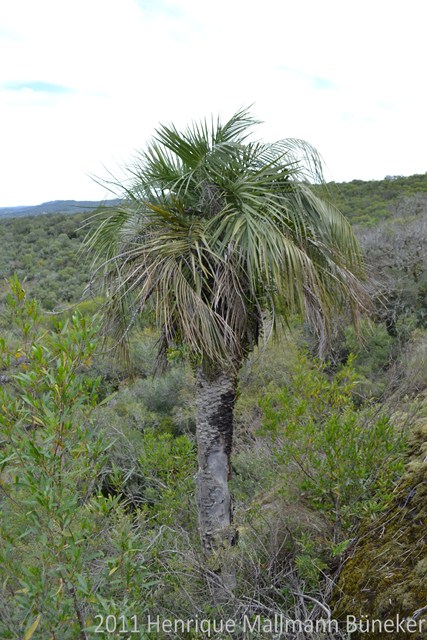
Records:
x=343, y=458
x=65, y=549
x=374, y=352
x=168, y=465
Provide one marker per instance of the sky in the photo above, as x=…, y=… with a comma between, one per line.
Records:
x=85, y=83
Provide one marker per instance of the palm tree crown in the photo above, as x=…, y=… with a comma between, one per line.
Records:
x=216, y=231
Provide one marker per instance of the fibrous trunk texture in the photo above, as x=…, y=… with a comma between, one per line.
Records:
x=216, y=396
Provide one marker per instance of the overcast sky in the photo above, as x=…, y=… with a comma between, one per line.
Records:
x=84, y=83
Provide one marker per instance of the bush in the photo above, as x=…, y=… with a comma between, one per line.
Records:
x=343, y=459
x=67, y=552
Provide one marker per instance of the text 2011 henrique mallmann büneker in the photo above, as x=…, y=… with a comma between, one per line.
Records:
x=274, y=626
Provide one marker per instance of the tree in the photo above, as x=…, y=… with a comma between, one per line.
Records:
x=219, y=235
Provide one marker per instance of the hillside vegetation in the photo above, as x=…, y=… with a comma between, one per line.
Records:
x=367, y=203
x=97, y=462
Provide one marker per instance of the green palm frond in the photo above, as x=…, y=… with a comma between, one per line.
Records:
x=215, y=231
x=237, y=129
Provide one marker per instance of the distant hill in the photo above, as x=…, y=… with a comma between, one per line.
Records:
x=56, y=206
x=364, y=203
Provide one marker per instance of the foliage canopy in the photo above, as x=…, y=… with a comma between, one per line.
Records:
x=215, y=231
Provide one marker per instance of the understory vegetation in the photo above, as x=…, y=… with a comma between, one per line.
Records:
x=97, y=461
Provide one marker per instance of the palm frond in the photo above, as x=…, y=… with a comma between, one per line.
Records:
x=216, y=231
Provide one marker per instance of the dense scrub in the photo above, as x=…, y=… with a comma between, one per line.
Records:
x=43, y=252
x=97, y=491
x=97, y=464
x=385, y=575
x=368, y=203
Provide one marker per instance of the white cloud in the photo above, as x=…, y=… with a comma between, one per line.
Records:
x=348, y=77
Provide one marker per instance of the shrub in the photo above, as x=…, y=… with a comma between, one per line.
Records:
x=343, y=459
x=67, y=552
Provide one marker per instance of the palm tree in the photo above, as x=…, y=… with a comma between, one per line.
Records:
x=217, y=235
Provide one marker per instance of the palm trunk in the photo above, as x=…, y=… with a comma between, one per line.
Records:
x=215, y=403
